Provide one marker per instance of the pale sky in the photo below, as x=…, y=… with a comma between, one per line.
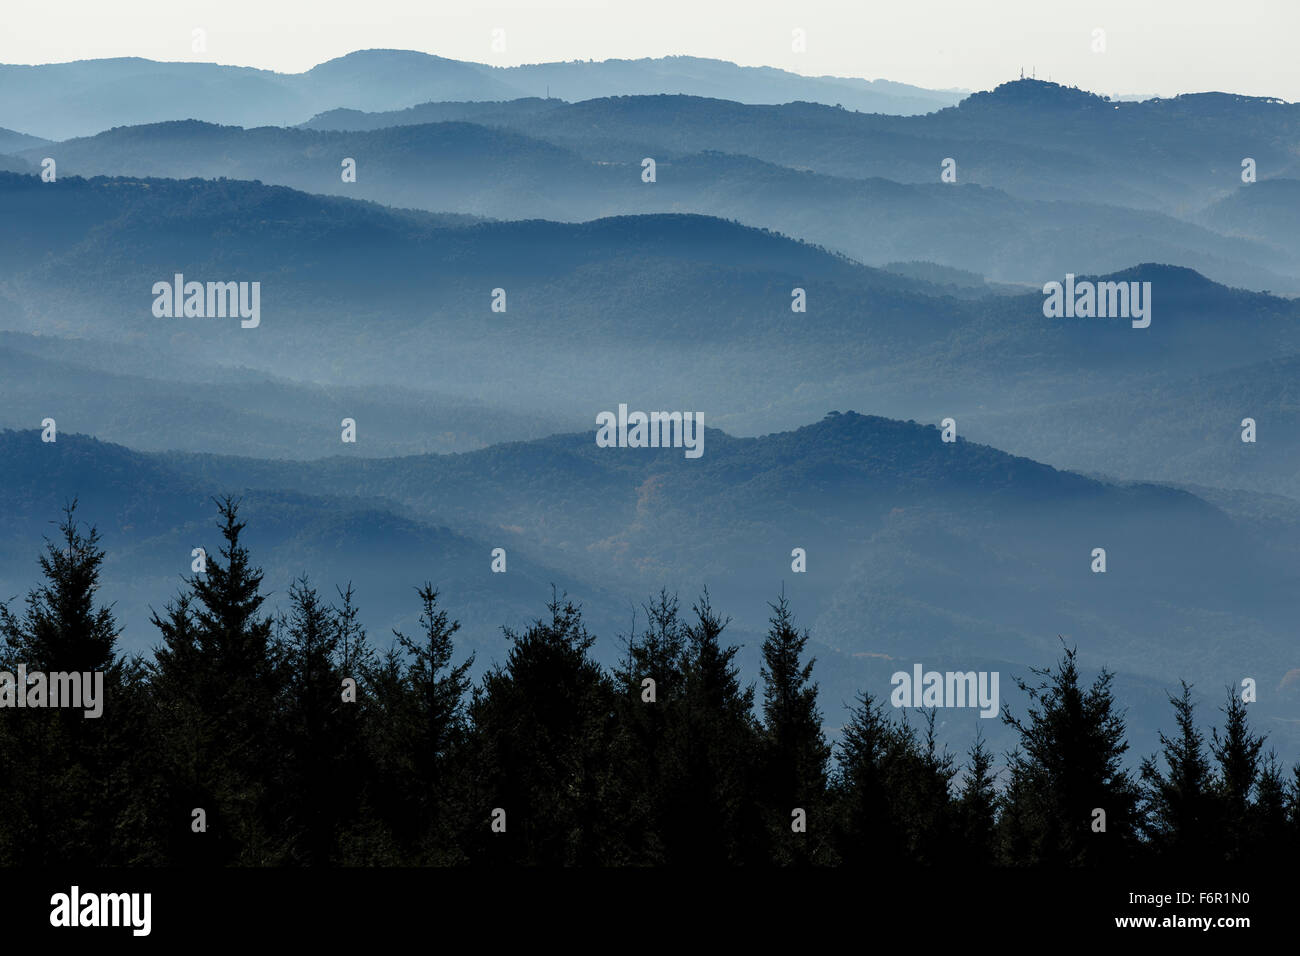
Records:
x=1160, y=47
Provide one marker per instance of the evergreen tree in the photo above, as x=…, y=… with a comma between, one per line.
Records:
x=435, y=718
x=659, y=653
x=923, y=784
x=1180, y=818
x=356, y=656
x=67, y=787
x=892, y=795
x=1018, y=829
x=392, y=796
x=976, y=806
x=1068, y=766
x=217, y=685
x=316, y=792
x=1268, y=830
x=440, y=687
x=180, y=740
x=869, y=827
x=546, y=749
x=794, y=753
x=717, y=817
x=652, y=771
x=63, y=628
x=1237, y=752
x=364, y=838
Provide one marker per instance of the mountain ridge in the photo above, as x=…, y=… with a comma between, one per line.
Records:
x=81, y=97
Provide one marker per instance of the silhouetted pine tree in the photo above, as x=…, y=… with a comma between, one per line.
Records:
x=316, y=785
x=793, y=750
x=216, y=685
x=923, y=796
x=1237, y=752
x=179, y=740
x=976, y=806
x=1015, y=840
x=869, y=829
x=892, y=795
x=364, y=838
x=435, y=726
x=546, y=750
x=63, y=629
x=355, y=654
x=1069, y=764
x=652, y=770
x=67, y=789
x=392, y=825
x=1180, y=816
x=717, y=817
x=1268, y=831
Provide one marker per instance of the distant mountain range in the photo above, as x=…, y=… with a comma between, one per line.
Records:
x=59, y=100
x=1031, y=138
x=500, y=272
x=355, y=295
x=1094, y=198
x=918, y=550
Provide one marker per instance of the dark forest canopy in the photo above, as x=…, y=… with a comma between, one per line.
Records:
x=252, y=739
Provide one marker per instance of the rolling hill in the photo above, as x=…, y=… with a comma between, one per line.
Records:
x=58, y=100
x=496, y=172
x=634, y=309
x=917, y=550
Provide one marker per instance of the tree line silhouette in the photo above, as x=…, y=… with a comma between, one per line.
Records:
x=242, y=714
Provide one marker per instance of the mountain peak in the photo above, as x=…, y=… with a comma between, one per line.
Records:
x=362, y=57
x=1029, y=93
